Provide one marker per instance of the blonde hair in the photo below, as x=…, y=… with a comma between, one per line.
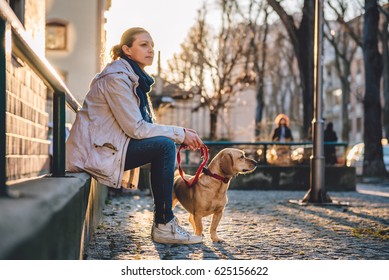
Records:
x=128, y=38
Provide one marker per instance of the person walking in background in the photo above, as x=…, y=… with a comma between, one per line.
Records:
x=115, y=133
x=282, y=133
x=329, y=149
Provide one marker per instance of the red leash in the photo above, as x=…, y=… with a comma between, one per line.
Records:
x=204, y=156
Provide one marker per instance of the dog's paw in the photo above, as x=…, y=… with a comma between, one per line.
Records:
x=216, y=239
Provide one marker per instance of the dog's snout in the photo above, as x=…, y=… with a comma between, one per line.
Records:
x=254, y=162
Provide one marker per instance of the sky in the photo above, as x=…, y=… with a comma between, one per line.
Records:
x=168, y=22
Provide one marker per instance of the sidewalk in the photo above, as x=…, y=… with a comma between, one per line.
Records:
x=256, y=225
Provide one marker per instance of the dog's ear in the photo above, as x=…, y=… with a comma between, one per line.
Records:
x=227, y=164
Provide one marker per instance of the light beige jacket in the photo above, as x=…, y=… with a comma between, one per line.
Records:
x=109, y=118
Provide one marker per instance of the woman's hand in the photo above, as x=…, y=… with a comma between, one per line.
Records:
x=192, y=140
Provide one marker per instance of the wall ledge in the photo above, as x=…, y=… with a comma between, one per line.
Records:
x=52, y=218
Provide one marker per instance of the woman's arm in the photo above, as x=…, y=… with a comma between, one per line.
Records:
x=119, y=93
x=123, y=102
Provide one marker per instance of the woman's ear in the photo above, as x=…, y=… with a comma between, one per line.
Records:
x=126, y=50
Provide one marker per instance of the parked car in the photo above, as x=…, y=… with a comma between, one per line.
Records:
x=355, y=157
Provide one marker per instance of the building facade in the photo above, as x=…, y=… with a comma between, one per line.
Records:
x=75, y=42
x=332, y=86
x=236, y=122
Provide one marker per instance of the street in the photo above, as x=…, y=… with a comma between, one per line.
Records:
x=256, y=225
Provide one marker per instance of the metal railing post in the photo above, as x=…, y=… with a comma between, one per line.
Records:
x=265, y=152
x=3, y=99
x=59, y=136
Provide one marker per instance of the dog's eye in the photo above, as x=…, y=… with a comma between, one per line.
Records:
x=242, y=156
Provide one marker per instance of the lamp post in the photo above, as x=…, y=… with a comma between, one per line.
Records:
x=317, y=191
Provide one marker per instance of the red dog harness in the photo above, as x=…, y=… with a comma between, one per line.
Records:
x=202, y=168
x=204, y=156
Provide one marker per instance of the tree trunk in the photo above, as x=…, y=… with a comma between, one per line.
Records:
x=213, y=125
x=373, y=164
x=302, y=41
x=259, y=112
x=345, y=115
x=345, y=103
x=261, y=72
x=305, y=61
x=385, y=56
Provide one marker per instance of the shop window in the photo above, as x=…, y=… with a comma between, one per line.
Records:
x=56, y=35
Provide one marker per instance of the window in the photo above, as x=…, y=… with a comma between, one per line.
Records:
x=328, y=68
x=337, y=96
x=18, y=7
x=359, y=70
x=359, y=124
x=56, y=35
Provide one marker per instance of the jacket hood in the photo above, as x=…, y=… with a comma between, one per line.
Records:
x=117, y=66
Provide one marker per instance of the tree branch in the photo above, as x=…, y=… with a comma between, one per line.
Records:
x=382, y=10
x=348, y=28
x=288, y=21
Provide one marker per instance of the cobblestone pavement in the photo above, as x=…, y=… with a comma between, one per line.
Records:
x=256, y=225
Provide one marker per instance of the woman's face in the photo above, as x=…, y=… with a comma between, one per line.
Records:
x=142, y=50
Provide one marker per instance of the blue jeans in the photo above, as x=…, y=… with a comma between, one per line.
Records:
x=161, y=153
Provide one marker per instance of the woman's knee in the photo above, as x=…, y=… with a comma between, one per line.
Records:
x=166, y=144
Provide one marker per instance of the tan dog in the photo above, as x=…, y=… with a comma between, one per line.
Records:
x=209, y=195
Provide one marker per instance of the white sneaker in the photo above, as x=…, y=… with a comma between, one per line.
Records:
x=173, y=233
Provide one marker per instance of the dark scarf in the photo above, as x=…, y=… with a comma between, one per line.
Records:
x=145, y=83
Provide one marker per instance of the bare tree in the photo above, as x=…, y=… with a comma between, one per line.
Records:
x=373, y=164
x=301, y=37
x=374, y=63
x=256, y=21
x=281, y=74
x=212, y=56
x=345, y=48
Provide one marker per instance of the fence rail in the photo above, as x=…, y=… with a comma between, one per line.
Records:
x=260, y=149
x=22, y=48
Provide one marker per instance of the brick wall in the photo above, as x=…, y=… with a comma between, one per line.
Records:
x=27, y=118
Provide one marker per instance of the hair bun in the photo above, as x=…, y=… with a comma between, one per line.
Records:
x=116, y=51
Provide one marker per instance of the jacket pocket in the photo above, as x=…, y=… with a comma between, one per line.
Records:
x=102, y=160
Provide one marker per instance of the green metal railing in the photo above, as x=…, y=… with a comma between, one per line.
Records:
x=62, y=96
x=265, y=146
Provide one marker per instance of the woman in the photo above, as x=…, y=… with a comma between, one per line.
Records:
x=114, y=133
x=282, y=133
